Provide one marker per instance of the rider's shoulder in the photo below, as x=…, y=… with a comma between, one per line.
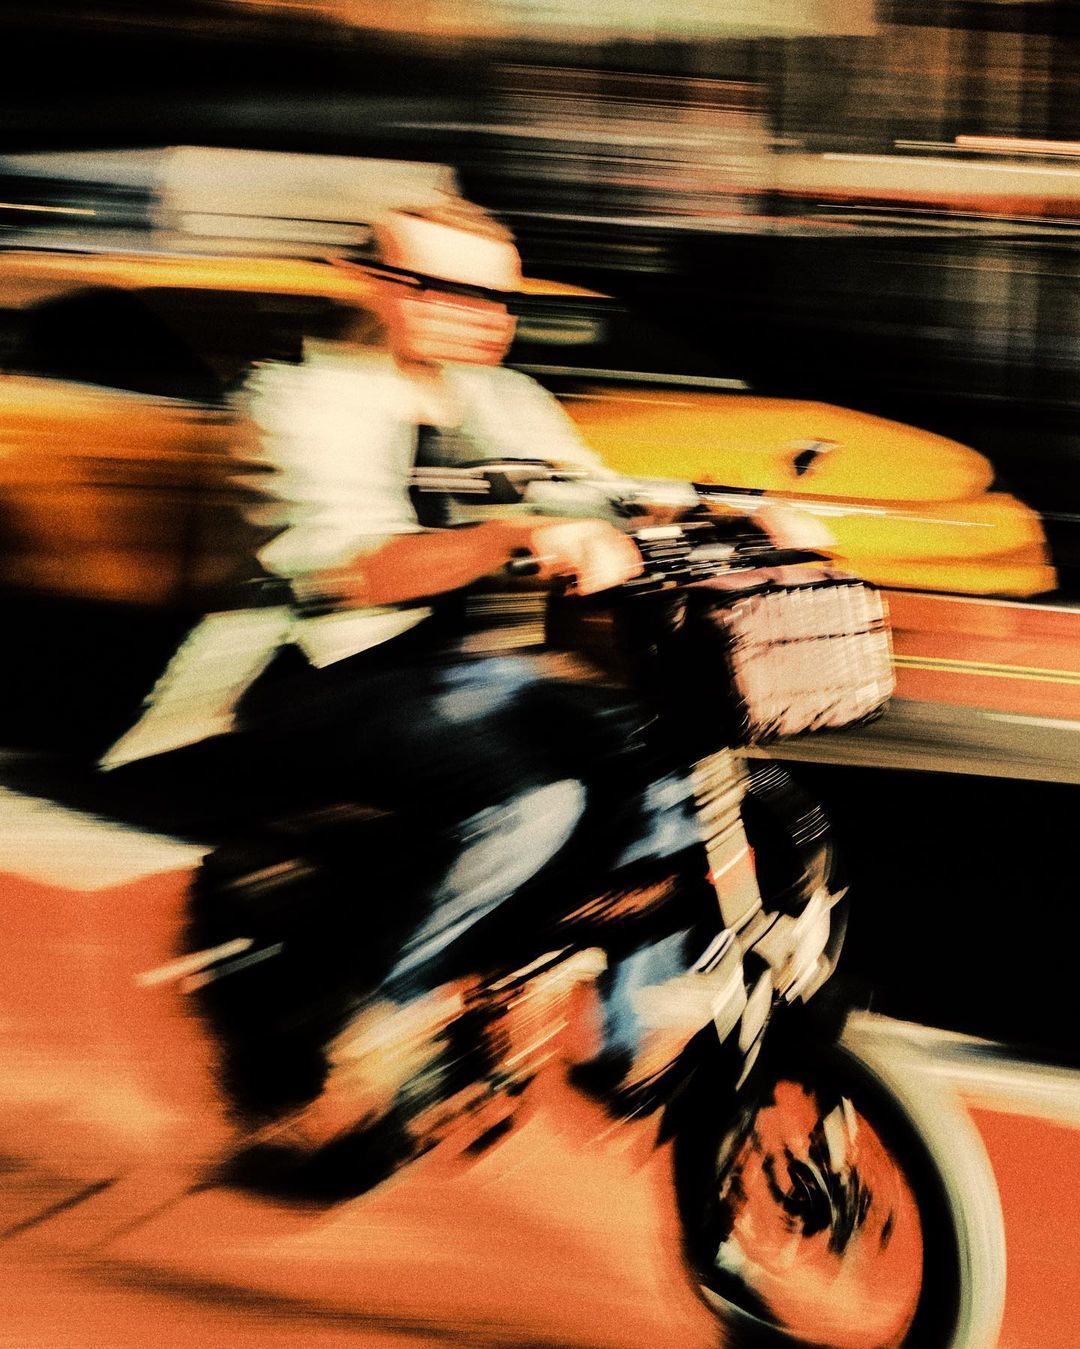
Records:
x=323, y=369
x=495, y=377
x=502, y=388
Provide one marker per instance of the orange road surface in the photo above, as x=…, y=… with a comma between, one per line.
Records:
x=563, y=1234
x=1037, y=1165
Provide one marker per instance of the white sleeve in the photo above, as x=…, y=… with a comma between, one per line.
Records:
x=513, y=412
x=330, y=464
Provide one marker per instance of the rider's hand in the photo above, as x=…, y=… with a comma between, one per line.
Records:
x=592, y=554
x=787, y=525
x=790, y=527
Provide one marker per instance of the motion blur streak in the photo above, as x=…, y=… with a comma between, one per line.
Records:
x=820, y=253
x=562, y=1236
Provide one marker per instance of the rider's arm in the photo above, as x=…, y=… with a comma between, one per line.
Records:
x=518, y=418
x=591, y=553
x=346, y=530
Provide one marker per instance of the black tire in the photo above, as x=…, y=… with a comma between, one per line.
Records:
x=938, y=1160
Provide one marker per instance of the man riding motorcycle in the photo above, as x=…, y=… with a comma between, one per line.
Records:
x=436, y=841
x=489, y=763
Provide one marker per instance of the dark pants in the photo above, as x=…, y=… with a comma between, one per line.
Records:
x=496, y=769
x=493, y=769
x=508, y=791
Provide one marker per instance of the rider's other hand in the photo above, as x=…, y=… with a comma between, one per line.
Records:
x=593, y=554
x=790, y=527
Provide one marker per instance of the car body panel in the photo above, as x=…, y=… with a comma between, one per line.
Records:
x=111, y=495
x=31, y=278
x=749, y=442
x=907, y=508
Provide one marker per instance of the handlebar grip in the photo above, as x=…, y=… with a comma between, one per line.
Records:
x=523, y=563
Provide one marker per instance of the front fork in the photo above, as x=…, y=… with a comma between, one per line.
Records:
x=765, y=954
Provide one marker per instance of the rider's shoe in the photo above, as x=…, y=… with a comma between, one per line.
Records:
x=282, y=1168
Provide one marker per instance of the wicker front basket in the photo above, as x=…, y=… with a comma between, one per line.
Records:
x=799, y=650
x=747, y=657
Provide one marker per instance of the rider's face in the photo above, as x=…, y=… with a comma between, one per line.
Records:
x=430, y=328
x=448, y=303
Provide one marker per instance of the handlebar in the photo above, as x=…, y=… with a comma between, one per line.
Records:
x=672, y=558
x=695, y=549
x=677, y=555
